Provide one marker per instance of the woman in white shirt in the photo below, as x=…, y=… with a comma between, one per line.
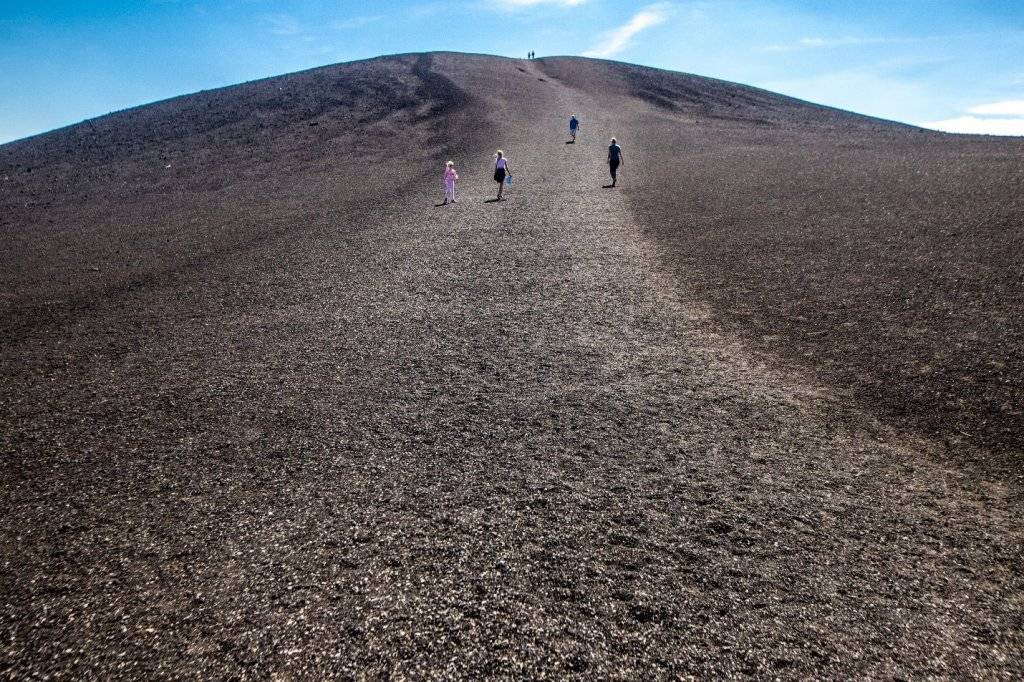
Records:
x=501, y=169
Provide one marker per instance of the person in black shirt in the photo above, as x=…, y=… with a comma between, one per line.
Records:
x=614, y=159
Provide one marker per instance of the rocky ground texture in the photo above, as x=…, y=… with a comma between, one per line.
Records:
x=268, y=410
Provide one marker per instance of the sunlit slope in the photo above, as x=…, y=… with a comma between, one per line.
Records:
x=884, y=257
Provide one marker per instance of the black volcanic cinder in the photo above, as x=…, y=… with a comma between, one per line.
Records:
x=267, y=411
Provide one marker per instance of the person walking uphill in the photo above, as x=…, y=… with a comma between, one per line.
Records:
x=574, y=126
x=450, y=176
x=501, y=170
x=614, y=159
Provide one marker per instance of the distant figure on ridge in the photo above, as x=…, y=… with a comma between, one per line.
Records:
x=574, y=125
x=501, y=169
x=614, y=159
x=450, y=176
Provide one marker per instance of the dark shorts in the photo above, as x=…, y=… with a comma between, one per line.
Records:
x=499, y=175
x=613, y=166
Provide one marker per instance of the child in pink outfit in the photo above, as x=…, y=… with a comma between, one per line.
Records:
x=450, y=176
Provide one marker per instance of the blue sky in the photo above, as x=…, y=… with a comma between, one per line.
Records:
x=951, y=64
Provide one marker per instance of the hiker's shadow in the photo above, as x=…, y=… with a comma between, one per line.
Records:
x=607, y=186
x=492, y=201
x=571, y=142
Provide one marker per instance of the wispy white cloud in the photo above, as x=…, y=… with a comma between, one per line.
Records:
x=357, y=22
x=283, y=25
x=1014, y=107
x=531, y=3
x=290, y=28
x=821, y=43
x=977, y=125
x=509, y=6
x=617, y=40
x=812, y=43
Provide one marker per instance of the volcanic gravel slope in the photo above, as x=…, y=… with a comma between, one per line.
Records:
x=269, y=411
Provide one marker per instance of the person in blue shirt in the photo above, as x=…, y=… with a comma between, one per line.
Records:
x=574, y=125
x=614, y=159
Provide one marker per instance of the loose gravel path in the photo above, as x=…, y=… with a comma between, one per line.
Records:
x=497, y=439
